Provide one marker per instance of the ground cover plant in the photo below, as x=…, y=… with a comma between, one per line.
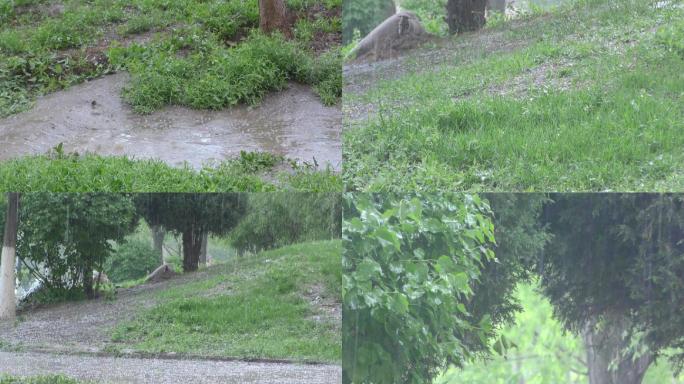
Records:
x=251, y=172
x=264, y=311
x=585, y=96
x=203, y=54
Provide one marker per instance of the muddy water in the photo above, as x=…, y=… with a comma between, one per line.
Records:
x=92, y=117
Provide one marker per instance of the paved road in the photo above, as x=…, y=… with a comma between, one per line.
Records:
x=141, y=371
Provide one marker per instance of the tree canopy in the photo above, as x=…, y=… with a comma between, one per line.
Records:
x=193, y=216
x=64, y=237
x=614, y=270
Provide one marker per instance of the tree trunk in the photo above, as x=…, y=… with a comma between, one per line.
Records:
x=88, y=280
x=465, y=15
x=203, y=250
x=158, y=234
x=275, y=16
x=8, y=304
x=192, y=244
x=606, y=360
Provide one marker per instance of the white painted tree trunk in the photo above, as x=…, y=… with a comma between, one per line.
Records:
x=8, y=304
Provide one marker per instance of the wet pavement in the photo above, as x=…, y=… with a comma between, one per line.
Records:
x=92, y=117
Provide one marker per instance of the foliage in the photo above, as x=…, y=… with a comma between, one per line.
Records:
x=259, y=308
x=193, y=216
x=409, y=264
x=213, y=76
x=618, y=256
x=64, y=237
x=535, y=105
x=519, y=240
x=278, y=219
x=542, y=353
x=93, y=173
x=431, y=14
x=132, y=259
x=362, y=16
x=42, y=51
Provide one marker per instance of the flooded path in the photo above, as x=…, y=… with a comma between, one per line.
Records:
x=92, y=117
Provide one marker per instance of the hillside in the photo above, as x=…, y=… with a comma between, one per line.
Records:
x=584, y=97
x=280, y=305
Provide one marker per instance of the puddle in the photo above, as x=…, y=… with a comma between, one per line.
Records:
x=92, y=117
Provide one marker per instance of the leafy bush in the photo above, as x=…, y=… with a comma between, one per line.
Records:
x=213, y=76
x=131, y=260
x=69, y=235
x=409, y=263
x=278, y=219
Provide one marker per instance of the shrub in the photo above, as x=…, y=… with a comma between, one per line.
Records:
x=132, y=260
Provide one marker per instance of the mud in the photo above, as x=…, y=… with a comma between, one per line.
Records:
x=92, y=117
x=132, y=370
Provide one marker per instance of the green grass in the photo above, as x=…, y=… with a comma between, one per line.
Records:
x=202, y=54
x=50, y=379
x=58, y=172
x=260, y=311
x=583, y=98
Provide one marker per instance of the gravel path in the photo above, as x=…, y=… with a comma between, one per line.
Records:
x=83, y=326
x=141, y=371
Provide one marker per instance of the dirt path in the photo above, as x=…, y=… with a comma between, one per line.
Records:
x=83, y=326
x=92, y=117
x=140, y=371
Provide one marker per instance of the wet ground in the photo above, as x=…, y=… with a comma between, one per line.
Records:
x=92, y=117
x=133, y=370
x=73, y=339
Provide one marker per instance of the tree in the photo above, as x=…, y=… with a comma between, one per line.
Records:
x=64, y=237
x=274, y=15
x=364, y=15
x=409, y=263
x=278, y=219
x=158, y=234
x=614, y=271
x=465, y=15
x=519, y=239
x=7, y=261
x=193, y=216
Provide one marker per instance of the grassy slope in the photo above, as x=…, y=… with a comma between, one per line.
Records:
x=545, y=354
x=586, y=98
x=258, y=309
